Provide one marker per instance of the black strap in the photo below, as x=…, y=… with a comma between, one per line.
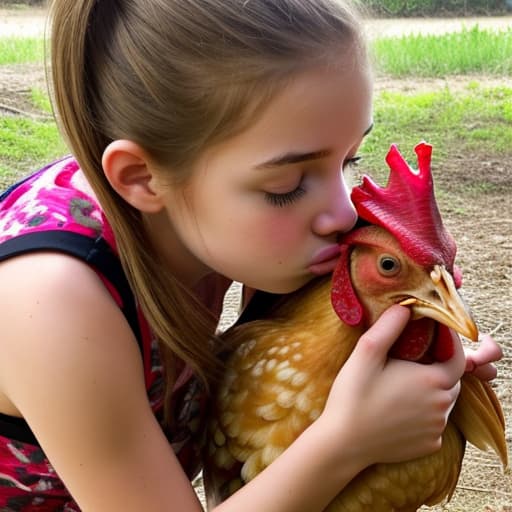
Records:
x=17, y=429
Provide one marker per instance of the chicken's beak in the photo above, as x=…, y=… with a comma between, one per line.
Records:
x=441, y=301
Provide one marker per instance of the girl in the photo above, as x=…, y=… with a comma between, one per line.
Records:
x=209, y=141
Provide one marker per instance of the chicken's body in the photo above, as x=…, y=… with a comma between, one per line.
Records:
x=276, y=385
x=278, y=379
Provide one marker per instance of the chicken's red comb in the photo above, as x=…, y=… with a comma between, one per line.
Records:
x=407, y=208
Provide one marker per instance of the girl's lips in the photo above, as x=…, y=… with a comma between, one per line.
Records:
x=325, y=260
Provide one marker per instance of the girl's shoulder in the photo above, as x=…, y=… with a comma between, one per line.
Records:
x=55, y=209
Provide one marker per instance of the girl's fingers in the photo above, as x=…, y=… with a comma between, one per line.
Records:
x=479, y=361
x=484, y=372
x=375, y=343
x=449, y=372
x=487, y=352
x=454, y=393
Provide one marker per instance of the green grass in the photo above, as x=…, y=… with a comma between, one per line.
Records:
x=468, y=120
x=466, y=52
x=41, y=100
x=26, y=145
x=21, y=50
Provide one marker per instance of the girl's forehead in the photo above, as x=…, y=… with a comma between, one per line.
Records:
x=320, y=107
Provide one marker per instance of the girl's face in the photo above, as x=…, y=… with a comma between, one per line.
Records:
x=266, y=206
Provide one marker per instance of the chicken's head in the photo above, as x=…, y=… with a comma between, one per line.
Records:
x=402, y=254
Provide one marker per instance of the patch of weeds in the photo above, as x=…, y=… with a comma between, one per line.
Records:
x=40, y=99
x=27, y=144
x=21, y=50
x=462, y=52
x=477, y=188
x=474, y=121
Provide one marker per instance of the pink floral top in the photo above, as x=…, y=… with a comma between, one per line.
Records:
x=56, y=209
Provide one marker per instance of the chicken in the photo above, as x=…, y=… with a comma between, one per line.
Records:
x=285, y=360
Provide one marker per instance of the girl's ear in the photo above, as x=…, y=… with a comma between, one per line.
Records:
x=129, y=171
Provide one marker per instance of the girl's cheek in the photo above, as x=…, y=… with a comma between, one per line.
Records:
x=281, y=231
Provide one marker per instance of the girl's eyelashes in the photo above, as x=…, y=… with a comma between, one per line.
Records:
x=287, y=198
x=281, y=200
x=352, y=162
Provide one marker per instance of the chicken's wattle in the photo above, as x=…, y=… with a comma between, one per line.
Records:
x=424, y=341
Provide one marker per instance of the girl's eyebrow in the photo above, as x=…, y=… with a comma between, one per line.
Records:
x=293, y=158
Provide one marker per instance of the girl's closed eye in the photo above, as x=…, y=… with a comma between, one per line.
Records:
x=285, y=198
x=282, y=199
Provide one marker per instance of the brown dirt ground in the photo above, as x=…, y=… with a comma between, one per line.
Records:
x=480, y=220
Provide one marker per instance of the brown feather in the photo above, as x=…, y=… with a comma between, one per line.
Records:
x=478, y=415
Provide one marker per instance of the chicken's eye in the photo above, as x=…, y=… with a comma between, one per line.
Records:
x=389, y=265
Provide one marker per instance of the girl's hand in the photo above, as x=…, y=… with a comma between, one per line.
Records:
x=392, y=410
x=479, y=361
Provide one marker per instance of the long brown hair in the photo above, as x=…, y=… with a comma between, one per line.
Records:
x=176, y=76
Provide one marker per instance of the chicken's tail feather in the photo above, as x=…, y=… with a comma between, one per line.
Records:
x=479, y=417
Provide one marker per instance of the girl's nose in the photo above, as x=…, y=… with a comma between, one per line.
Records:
x=338, y=214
